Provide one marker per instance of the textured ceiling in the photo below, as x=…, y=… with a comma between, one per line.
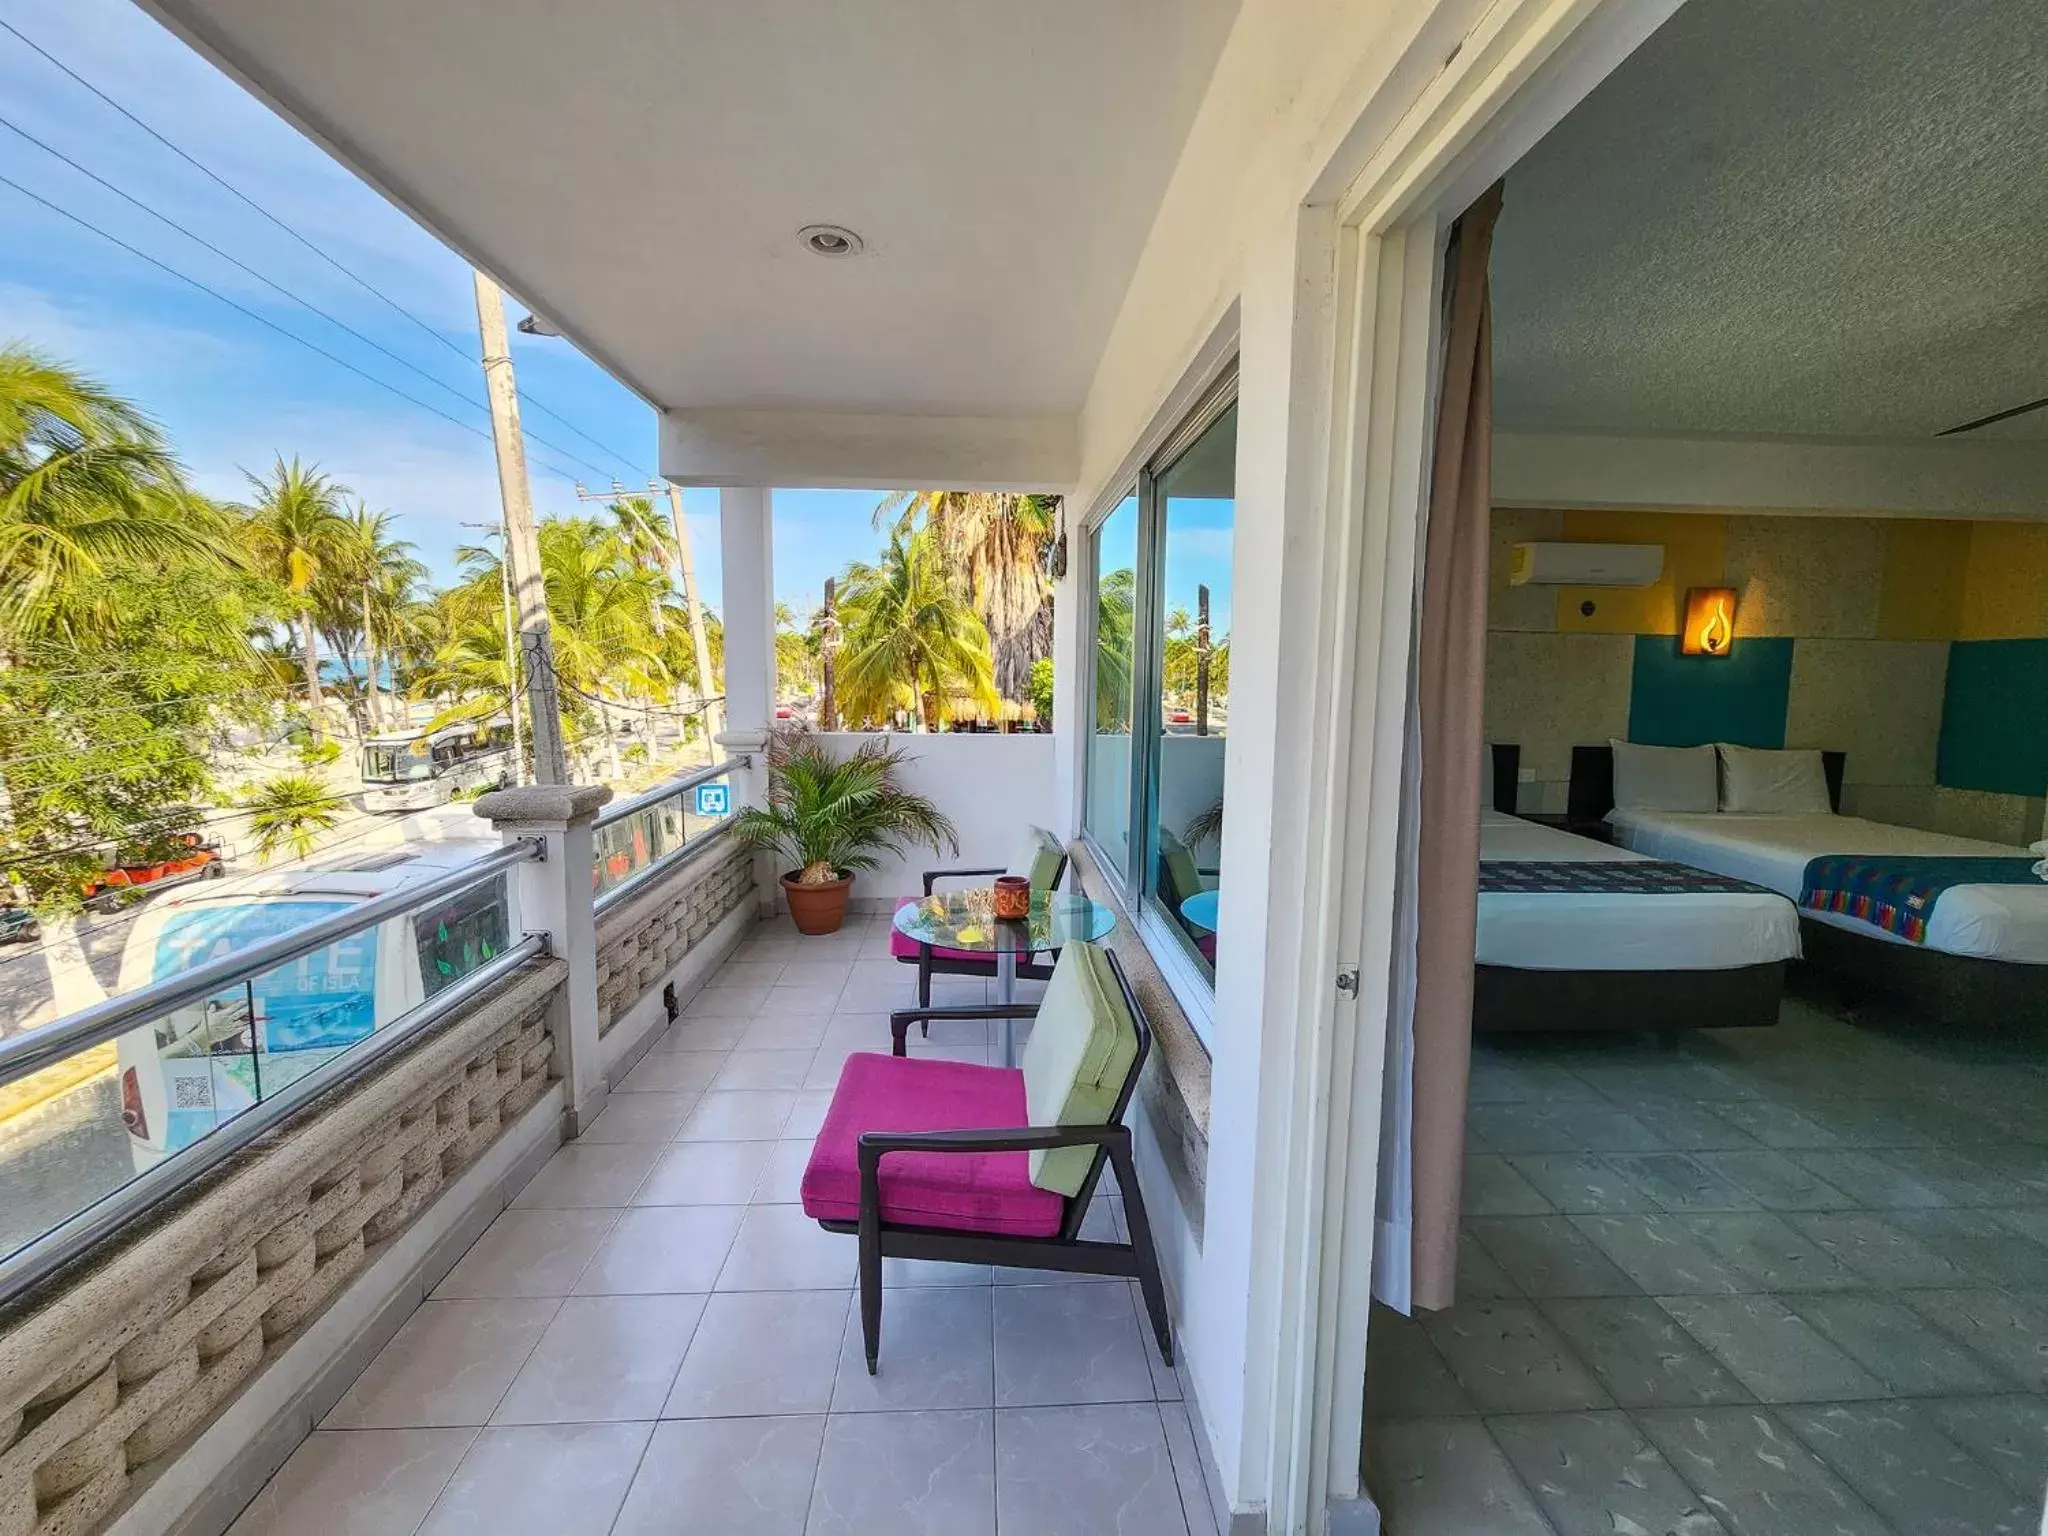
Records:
x=638, y=170
x=1827, y=217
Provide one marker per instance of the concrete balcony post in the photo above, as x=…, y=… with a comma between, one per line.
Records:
x=556, y=895
x=747, y=591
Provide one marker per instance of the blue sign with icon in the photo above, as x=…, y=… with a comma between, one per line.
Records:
x=714, y=799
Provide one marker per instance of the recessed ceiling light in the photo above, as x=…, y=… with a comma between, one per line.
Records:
x=830, y=240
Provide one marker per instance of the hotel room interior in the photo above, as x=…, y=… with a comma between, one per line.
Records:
x=1756, y=1165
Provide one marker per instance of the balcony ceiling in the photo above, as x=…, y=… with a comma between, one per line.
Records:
x=1824, y=218
x=637, y=170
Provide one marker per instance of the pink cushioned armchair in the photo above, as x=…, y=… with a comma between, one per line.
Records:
x=923, y=1158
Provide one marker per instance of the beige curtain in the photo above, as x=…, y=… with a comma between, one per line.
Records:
x=1450, y=694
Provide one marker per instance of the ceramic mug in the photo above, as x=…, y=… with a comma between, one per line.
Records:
x=1013, y=898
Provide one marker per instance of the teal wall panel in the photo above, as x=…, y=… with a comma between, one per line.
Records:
x=1994, y=717
x=1686, y=701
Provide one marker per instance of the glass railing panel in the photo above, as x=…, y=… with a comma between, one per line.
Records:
x=645, y=836
x=78, y=1130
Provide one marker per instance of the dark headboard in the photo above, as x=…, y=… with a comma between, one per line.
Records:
x=1507, y=776
x=1591, y=795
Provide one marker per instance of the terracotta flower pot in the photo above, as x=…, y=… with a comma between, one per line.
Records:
x=817, y=909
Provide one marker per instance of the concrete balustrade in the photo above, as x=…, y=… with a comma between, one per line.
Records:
x=158, y=1385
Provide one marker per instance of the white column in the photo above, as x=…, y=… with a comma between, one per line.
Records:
x=1073, y=727
x=554, y=895
x=747, y=586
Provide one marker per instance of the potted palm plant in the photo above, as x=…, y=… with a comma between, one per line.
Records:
x=834, y=817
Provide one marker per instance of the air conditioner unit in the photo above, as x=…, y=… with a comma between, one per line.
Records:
x=1587, y=565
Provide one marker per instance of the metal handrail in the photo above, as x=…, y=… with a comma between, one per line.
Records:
x=669, y=860
x=668, y=789
x=122, y=1205
x=28, y=1054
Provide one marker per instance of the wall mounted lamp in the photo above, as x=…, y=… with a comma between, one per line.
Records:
x=1709, y=622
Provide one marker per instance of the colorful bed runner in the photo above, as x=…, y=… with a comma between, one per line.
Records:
x=1609, y=877
x=1898, y=894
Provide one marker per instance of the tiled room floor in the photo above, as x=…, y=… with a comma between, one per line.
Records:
x=1784, y=1282
x=655, y=1339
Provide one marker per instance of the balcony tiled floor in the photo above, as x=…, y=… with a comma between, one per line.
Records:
x=655, y=1339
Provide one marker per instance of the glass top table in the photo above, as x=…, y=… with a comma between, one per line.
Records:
x=966, y=920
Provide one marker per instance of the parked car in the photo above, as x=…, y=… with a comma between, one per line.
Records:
x=132, y=872
x=18, y=925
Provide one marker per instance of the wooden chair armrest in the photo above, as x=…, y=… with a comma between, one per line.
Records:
x=932, y=876
x=1023, y=1138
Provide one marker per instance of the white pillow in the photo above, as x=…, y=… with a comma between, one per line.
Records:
x=1664, y=778
x=1764, y=783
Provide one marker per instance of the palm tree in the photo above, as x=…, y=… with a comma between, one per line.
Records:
x=644, y=536
x=600, y=601
x=1115, y=618
x=996, y=541
x=909, y=636
x=297, y=529
x=289, y=811
x=88, y=488
x=371, y=577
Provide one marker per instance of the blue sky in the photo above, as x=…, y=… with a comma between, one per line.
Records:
x=233, y=393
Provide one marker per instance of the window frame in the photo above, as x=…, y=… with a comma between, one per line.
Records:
x=1192, y=989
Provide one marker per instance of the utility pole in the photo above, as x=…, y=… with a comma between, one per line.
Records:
x=700, y=645
x=511, y=652
x=1201, y=661
x=828, y=642
x=522, y=547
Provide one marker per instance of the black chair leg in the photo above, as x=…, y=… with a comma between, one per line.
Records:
x=1140, y=1229
x=871, y=1285
x=924, y=982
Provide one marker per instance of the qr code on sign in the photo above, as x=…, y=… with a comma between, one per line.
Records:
x=192, y=1093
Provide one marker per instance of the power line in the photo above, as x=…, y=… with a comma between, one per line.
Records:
x=362, y=282
x=262, y=320
x=233, y=260
x=58, y=714
x=296, y=298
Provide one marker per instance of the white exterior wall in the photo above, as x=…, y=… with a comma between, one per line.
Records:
x=993, y=787
x=1241, y=257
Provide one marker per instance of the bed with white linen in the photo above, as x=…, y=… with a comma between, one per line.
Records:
x=1978, y=955
x=1550, y=959
x=1991, y=922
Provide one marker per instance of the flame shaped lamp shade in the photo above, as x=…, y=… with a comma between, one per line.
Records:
x=1709, y=622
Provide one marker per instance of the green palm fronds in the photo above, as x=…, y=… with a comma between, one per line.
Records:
x=838, y=815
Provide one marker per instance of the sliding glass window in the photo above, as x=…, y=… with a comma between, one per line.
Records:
x=1162, y=570
x=1108, y=813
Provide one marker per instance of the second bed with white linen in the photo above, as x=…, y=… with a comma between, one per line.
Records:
x=1990, y=922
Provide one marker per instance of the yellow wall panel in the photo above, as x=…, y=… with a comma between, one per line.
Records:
x=1926, y=567
x=1695, y=553
x=2005, y=596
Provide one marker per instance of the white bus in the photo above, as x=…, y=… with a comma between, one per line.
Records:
x=418, y=769
x=194, y=1069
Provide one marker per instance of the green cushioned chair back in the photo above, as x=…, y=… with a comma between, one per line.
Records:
x=1082, y=1044
x=1183, y=879
x=1042, y=860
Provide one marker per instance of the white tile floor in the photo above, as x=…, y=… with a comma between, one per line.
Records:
x=655, y=1339
x=1736, y=1283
